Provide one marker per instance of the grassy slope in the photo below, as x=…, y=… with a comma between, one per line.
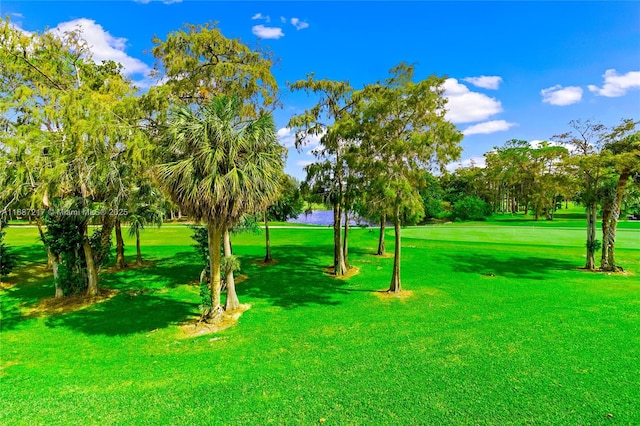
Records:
x=502, y=329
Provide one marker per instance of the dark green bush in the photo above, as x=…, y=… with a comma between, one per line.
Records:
x=470, y=208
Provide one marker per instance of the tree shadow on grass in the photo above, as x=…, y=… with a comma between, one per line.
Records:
x=296, y=280
x=29, y=283
x=142, y=304
x=29, y=254
x=125, y=314
x=161, y=272
x=529, y=267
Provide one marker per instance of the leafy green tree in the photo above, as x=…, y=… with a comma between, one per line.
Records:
x=220, y=167
x=622, y=149
x=587, y=162
x=403, y=130
x=73, y=123
x=327, y=177
x=198, y=63
x=432, y=197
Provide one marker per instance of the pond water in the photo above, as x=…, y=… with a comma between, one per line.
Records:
x=324, y=217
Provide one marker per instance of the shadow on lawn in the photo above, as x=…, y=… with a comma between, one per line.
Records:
x=296, y=279
x=535, y=268
x=126, y=314
x=142, y=304
x=30, y=282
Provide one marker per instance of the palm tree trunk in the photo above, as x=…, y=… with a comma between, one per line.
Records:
x=92, y=271
x=214, y=265
x=396, y=286
x=54, y=266
x=138, y=252
x=383, y=222
x=267, y=257
x=120, y=262
x=232, y=297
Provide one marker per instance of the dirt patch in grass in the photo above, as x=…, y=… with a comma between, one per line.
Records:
x=620, y=273
x=263, y=263
x=53, y=305
x=354, y=270
x=227, y=319
x=387, y=295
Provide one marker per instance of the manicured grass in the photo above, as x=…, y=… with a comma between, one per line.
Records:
x=502, y=328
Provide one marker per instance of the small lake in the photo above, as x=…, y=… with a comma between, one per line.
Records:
x=324, y=217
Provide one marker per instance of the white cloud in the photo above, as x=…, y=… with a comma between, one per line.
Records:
x=300, y=25
x=469, y=162
x=103, y=46
x=288, y=138
x=261, y=16
x=538, y=143
x=267, y=32
x=484, y=81
x=19, y=29
x=283, y=19
x=558, y=95
x=465, y=106
x=488, y=127
x=17, y=15
x=304, y=163
x=616, y=85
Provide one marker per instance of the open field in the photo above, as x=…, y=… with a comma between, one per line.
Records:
x=502, y=328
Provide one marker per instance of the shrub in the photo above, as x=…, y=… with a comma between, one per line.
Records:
x=470, y=208
x=7, y=259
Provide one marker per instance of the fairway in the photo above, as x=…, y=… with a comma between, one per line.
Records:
x=502, y=327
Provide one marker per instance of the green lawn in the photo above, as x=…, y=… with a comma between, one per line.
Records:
x=502, y=328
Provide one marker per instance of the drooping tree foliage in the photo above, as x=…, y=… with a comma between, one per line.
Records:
x=402, y=131
x=328, y=177
x=70, y=125
x=8, y=259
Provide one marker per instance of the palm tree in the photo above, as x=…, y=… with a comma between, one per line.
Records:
x=219, y=168
x=143, y=215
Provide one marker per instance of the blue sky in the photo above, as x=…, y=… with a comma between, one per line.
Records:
x=543, y=63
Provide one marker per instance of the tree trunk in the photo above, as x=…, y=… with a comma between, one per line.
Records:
x=339, y=267
x=214, y=265
x=383, y=220
x=138, y=252
x=54, y=266
x=615, y=216
x=604, y=258
x=267, y=257
x=120, y=262
x=92, y=270
x=345, y=240
x=592, y=212
x=232, y=297
x=50, y=257
x=108, y=223
x=395, y=286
